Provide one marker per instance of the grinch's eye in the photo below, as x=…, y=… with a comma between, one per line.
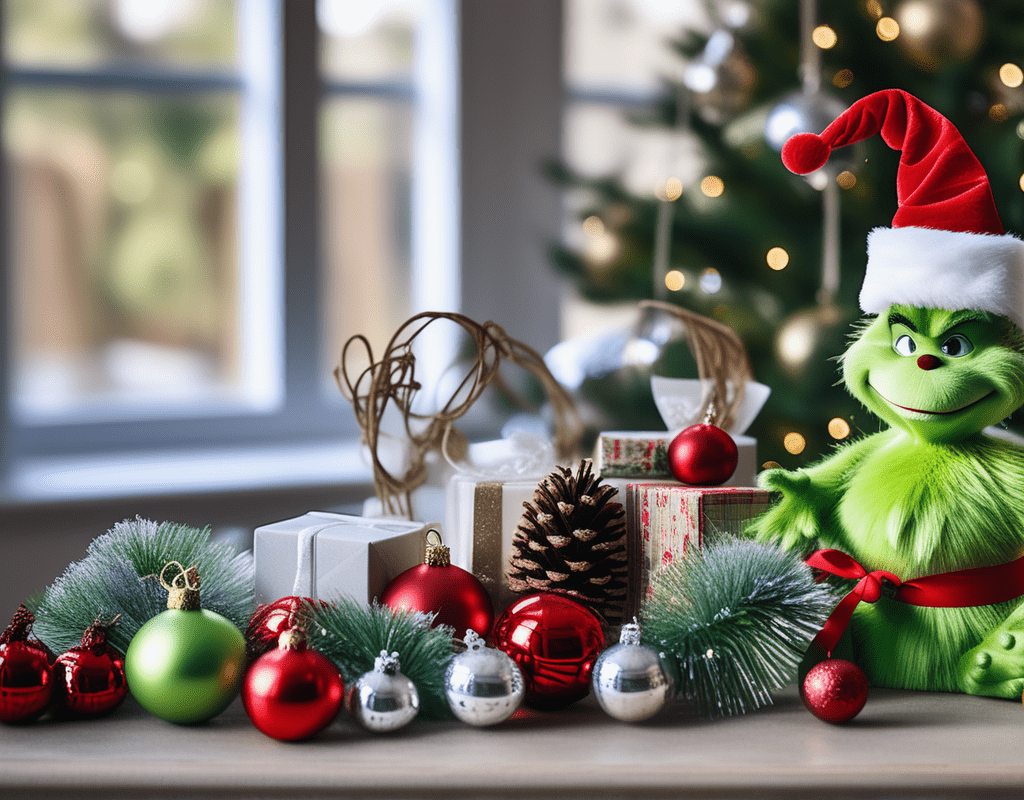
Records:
x=904, y=345
x=957, y=345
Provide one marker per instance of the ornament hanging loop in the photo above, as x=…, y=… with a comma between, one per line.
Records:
x=183, y=589
x=438, y=553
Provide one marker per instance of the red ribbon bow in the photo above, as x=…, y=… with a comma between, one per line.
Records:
x=980, y=586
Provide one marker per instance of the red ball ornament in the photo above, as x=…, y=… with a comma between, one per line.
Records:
x=835, y=690
x=292, y=692
x=703, y=455
x=89, y=679
x=438, y=586
x=26, y=682
x=555, y=642
x=271, y=620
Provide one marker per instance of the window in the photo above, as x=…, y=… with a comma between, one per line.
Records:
x=206, y=197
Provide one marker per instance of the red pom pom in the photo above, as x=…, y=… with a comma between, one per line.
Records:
x=805, y=152
x=835, y=690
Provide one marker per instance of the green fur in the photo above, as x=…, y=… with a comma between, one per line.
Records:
x=930, y=494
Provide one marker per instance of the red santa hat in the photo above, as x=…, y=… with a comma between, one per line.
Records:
x=946, y=247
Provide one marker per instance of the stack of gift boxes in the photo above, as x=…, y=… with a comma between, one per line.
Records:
x=324, y=555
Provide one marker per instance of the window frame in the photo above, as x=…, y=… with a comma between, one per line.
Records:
x=470, y=253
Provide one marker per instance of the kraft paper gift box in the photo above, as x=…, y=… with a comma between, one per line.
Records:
x=665, y=521
x=324, y=555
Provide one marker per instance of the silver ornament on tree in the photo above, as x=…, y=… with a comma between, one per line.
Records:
x=384, y=699
x=631, y=681
x=483, y=685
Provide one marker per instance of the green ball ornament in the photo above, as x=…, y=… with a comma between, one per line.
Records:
x=185, y=665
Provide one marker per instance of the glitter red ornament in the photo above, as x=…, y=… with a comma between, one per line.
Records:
x=555, y=642
x=26, y=682
x=835, y=690
x=292, y=692
x=88, y=680
x=271, y=620
x=703, y=455
x=438, y=586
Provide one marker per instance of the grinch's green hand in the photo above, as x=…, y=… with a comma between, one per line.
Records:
x=995, y=667
x=794, y=519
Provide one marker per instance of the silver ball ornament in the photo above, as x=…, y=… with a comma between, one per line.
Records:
x=631, y=680
x=808, y=113
x=483, y=685
x=384, y=700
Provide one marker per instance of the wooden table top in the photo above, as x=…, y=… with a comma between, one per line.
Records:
x=903, y=744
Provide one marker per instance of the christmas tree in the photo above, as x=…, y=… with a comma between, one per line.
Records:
x=777, y=257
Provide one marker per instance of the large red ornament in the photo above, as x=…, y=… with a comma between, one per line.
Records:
x=88, y=680
x=26, y=682
x=835, y=690
x=440, y=587
x=271, y=620
x=555, y=642
x=703, y=455
x=292, y=692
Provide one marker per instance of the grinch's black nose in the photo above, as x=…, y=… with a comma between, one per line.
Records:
x=929, y=362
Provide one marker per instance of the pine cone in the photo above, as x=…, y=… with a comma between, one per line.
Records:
x=571, y=540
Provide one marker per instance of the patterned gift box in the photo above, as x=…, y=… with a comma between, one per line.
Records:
x=641, y=455
x=663, y=521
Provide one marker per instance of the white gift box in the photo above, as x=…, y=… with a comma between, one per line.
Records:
x=324, y=555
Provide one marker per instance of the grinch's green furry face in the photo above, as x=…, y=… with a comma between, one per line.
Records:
x=940, y=375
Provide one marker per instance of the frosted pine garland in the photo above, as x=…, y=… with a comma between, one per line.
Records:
x=737, y=617
x=111, y=581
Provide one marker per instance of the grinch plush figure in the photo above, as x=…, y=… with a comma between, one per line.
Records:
x=927, y=514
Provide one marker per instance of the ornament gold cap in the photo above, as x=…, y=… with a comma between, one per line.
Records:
x=438, y=553
x=183, y=589
x=292, y=639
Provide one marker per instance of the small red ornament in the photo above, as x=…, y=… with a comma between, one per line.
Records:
x=555, y=642
x=89, y=679
x=703, y=455
x=271, y=620
x=292, y=692
x=26, y=682
x=835, y=690
x=438, y=586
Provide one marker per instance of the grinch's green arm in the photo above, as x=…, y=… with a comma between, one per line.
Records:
x=808, y=496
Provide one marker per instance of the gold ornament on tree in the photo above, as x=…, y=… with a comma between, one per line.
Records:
x=936, y=32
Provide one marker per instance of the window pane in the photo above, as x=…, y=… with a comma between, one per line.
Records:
x=76, y=33
x=367, y=40
x=365, y=150
x=123, y=209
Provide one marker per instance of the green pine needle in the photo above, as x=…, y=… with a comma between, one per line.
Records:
x=737, y=616
x=112, y=581
x=352, y=635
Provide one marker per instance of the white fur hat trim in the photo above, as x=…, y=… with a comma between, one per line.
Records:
x=944, y=269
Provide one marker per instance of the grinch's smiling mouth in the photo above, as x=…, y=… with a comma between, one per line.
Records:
x=932, y=413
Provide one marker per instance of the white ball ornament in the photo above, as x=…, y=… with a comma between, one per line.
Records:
x=631, y=680
x=483, y=685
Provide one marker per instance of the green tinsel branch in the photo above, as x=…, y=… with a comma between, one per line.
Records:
x=112, y=581
x=352, y=636
x=737, y=616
